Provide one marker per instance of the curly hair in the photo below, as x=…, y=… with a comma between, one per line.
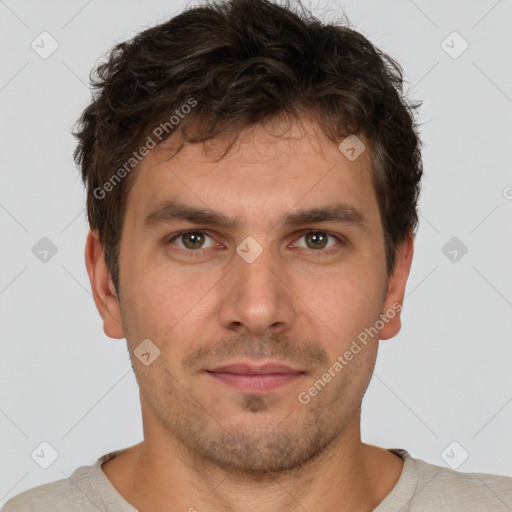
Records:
x=236, y=64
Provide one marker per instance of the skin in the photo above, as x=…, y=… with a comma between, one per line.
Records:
x=210, y=446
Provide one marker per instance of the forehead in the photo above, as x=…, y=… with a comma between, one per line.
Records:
x=263, y=176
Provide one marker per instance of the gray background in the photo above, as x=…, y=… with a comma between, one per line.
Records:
x=446, y=377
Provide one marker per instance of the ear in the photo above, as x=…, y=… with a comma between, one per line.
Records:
x=396, y=289
x=103, y=289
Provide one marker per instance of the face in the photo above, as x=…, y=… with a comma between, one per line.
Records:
x=252, y=276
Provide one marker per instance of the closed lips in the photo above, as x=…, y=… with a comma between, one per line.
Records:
x=244, y=369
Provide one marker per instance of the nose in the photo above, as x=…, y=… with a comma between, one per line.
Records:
x=256, y=297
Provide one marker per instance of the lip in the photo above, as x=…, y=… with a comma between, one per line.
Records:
x=255, y=369
x=253, y=378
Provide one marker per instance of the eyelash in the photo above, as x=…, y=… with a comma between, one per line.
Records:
x=197, y=252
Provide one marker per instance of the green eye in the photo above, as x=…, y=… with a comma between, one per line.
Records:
x=319, y=240
x=192, y=240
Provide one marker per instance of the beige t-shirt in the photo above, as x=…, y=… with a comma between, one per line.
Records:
x=422, y=487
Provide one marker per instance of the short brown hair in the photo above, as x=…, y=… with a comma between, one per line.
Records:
x=241, y=63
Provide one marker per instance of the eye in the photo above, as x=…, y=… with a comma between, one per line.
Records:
x=191, y=243
x=192, y=240
x=319, y=241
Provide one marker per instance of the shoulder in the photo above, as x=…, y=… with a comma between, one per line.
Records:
x=86, y=490
x=61, y=495
x=442, y=488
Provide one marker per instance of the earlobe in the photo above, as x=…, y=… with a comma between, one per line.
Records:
x=396, y=289
x=103, y=291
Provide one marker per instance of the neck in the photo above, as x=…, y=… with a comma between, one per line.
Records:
x=159, y=475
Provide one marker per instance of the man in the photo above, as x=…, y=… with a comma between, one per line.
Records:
x=252, y=179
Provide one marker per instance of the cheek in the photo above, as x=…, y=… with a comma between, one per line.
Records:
x=344, y=302
x=164, y=299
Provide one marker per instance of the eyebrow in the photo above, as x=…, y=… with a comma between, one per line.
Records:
x=171, y=211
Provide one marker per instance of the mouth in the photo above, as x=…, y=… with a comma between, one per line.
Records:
x=252, y=378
